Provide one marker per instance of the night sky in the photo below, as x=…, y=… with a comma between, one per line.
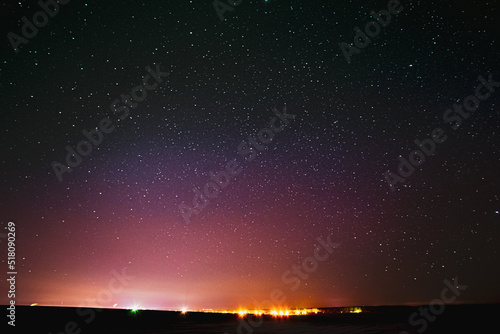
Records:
x=128, y=205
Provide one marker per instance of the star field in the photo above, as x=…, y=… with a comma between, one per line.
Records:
x=322, y=175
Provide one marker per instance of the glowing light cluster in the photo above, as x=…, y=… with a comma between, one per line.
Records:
x=134, y=308
x=274, y=312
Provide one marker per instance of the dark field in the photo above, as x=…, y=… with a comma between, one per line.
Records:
x=460, y=319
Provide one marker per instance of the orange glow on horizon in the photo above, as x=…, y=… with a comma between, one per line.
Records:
x=285, y=312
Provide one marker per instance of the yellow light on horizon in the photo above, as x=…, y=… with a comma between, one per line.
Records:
x=274, y=312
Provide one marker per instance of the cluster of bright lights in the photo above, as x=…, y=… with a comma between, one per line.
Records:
x=133, y=308
x=275, y=312
x=243, y=312
x=286, y=312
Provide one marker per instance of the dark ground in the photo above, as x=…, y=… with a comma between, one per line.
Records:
x=56, y=320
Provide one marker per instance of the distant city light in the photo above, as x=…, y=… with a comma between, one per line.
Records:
x=134, y=308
